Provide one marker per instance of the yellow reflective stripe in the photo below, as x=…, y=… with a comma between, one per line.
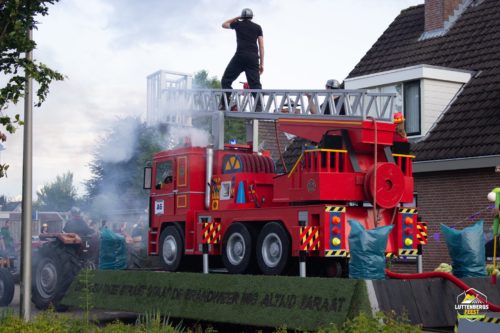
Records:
x=404, y=155
x=326, y=150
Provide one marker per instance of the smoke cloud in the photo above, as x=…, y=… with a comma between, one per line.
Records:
x=121, y=143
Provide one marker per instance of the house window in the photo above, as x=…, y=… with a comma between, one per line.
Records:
x=411, y=98
x=391, y=89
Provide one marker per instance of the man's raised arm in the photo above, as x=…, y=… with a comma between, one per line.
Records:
x=227, y=24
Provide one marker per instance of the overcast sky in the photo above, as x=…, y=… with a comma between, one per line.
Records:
x=106, y=48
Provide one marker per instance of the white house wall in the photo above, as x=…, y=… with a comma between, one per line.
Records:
x=435, y=97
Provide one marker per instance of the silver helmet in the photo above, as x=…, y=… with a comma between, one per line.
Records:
x=246, y=13
x=332, y=84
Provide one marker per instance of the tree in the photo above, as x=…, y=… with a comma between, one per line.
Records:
x=118, y=167
x=59, y=195
x=201, y=80
x=233, y=128
x=17, y=17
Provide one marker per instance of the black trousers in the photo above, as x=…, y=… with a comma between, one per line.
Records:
x=248, y=63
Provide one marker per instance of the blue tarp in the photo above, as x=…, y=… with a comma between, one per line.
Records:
x=367, y=249
x=466, y=249
x=113, y=251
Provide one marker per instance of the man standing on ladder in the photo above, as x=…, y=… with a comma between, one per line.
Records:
x=247, y=56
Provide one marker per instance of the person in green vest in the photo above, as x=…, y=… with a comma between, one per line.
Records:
x=6, y=241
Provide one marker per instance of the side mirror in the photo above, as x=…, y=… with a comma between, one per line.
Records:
x=148, y=171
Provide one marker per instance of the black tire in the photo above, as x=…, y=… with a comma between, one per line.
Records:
x=237, y=251
x=56, y=267
x=171, y=248
x=273, y=249
x=6, y=287
x=334, y=268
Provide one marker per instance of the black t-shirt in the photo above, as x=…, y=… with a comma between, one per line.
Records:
x=247, y=33
x=78, y=226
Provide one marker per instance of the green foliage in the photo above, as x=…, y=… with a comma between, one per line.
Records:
x=59, y=195
x=17, y=17
x=47, y=321
x=233, y=128
x=202, y=81
x=119, y=327
x=381, y=323
x=86, y=296
x=52, y=322
x=155, y=322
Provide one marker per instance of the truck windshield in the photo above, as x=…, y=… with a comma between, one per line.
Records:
x=163, y=173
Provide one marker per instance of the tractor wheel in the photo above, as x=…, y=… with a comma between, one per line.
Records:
x=237, y=249
x=6, y=287
x=273, y=249
x=171, y=248
x=55, y=268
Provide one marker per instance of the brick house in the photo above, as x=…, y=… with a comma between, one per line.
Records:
x=442, y=59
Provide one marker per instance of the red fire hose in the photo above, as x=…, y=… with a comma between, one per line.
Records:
x=459, y=283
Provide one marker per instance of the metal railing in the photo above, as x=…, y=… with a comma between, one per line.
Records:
x=321, y=160
x=270, y=104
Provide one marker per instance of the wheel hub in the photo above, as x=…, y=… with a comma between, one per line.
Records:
x=272, y=250
x=47, y=280
x=235, y=249
x=169, y=249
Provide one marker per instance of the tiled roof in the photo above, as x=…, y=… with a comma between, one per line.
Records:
x=471, y=126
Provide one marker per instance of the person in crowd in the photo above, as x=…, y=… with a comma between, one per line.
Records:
x=76, y=224
x=329, y=85
x=7, y=245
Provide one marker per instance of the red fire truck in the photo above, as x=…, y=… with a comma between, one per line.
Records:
x=229, y=200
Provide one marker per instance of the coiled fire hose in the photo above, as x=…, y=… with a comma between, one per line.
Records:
x=447, y=276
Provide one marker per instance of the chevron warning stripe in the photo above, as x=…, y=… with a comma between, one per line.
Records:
x=337, y=253
x=488, y=320
x=422, y=232
x=211, y=233
x=412, y=252
x=389, y=255
x=309, y=238
x=408, y=211
x=332, y=209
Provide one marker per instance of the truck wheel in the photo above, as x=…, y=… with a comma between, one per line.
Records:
x=273, y=249
x=6, y=287
x=333, y=268
x=237, y=249
x=56, y=267
x=171, y=248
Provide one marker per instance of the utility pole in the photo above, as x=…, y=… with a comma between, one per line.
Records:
x=25, y=302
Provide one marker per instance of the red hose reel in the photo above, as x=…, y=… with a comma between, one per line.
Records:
x=390, y=184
